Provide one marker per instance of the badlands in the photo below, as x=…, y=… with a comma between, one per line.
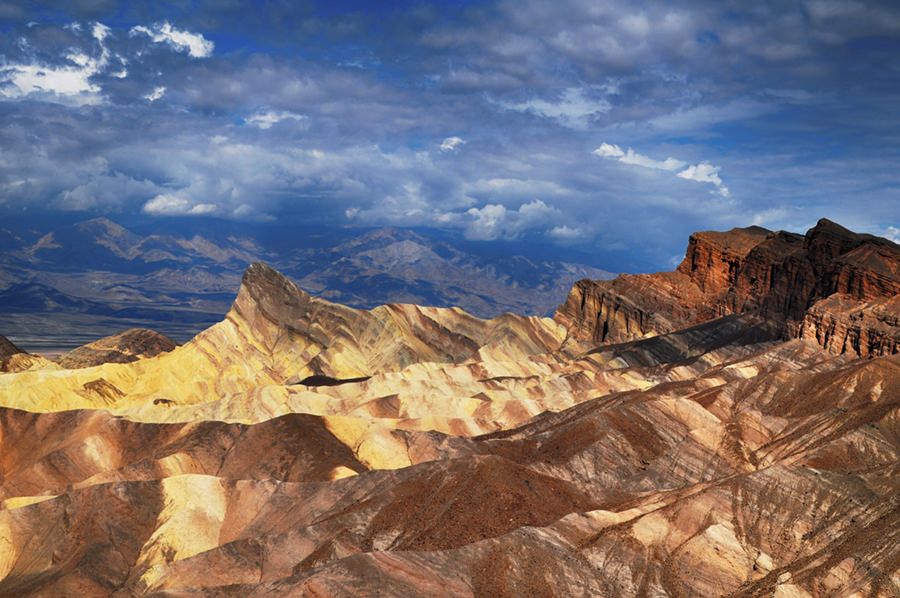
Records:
x=731, y=428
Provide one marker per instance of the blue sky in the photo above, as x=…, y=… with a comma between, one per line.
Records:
x=615, y=128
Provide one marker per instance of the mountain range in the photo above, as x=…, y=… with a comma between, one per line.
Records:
x=731, y=428
x=69, y=285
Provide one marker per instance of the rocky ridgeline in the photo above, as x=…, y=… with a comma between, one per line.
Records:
x=7, y=350
x=831, y=285
x=125, y=347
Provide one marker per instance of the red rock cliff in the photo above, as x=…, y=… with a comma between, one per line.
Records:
x=830, y=285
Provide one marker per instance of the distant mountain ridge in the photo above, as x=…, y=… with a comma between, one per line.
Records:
x=157, y=278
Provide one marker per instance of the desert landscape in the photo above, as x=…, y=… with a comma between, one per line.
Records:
x=729, y=428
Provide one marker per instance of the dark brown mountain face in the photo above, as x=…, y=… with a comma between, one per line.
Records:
x=8, y=349
x=124, y=347
x=728, y=429
x=831, y=285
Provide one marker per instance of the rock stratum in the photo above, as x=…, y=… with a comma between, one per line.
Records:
x=831, y=286
x=124, y=347
x=728, y=429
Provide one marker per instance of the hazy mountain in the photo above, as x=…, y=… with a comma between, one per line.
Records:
x=158, y=278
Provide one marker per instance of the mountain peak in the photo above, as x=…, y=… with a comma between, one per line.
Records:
x=270, y=294
x=7, y=348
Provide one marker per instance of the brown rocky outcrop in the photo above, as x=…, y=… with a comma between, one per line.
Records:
x=127, y=346
x=783, y=277
x=7, y=351
x=7, y=348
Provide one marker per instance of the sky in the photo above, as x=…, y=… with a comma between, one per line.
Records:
x=612, y=128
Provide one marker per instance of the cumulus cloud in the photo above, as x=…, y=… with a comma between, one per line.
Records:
x=73, y=64
x=155, y=94
x=69, y=82
x=194, y=44
x=703, y=172
x=495, y=221
x=607, y=150
x=264, y=119
x=105, y=190
x=450, y=144
x=172, y=205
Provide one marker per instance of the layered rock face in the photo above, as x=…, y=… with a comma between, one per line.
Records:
x=14, y=359
x=124, y=347
x=7, y=349
x=831, y=286
x=302, y=448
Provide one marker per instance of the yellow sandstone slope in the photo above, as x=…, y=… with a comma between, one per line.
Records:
x=276, y=336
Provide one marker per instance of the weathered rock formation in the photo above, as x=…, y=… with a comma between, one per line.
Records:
x=7, y=348
x=14, y=359
x=302, y=448
x=831, y=285
x=125, y=347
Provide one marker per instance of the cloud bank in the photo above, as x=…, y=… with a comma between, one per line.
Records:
x=611, y=128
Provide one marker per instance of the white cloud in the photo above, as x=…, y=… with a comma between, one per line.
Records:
x=172, y=205
x=67, y=84
x=607, y=150
x=194, y=44
x=574, y=109
x=451, y=143
x=495, y=221
x=701, y=173
x=71, y=81
x=100, y=31
x=892, y=233
x=565, y=233
x=264, y=119
x=705, y=173
x=488, y=222
x=155, y=94
x=104, y=189
x=631, y=157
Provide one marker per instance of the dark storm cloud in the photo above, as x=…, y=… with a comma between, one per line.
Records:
x=598, y=125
